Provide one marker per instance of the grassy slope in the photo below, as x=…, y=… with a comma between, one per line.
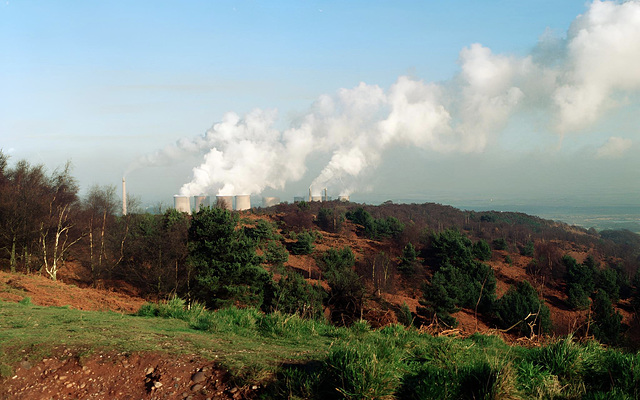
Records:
x=314, y=360
x=40, y=330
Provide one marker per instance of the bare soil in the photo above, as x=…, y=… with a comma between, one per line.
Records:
x=121, y=376
x=45, y=292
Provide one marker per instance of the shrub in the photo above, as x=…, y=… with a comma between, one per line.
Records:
x=451, y=246
x=376, y=228
x=528, y=250
x=481, y=250
x=521, y=307
x=26, y=301
x=459, y=280
x=293, y=295
x=408, y=259
x=577, y=298
x=347, y=290
x=276, y=254
x=303, y=244
x=500, y=244
x=263, y=230
x=328, y=220
x=227, y=268
x=607, y=323
x=404, y=315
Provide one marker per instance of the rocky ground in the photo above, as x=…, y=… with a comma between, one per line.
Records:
x=121, y=376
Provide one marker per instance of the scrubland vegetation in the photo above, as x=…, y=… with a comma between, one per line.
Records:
x=319, y=278
x=294, y=357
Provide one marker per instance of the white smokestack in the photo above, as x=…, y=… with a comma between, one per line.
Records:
x=124, y=197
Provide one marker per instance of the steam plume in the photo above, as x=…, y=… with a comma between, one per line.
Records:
x=572, y=81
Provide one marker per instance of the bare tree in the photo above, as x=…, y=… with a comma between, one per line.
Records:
x=57, y=235
x=99, y=211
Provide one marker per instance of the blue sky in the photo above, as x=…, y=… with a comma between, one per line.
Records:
x=119, y=86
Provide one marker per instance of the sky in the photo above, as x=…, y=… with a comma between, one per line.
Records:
x=457, y=102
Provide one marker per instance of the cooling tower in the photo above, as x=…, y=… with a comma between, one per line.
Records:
x=182, y=203
x=243, y=202
x=225, y=202
x=343, y=198
x=270, y=201
x=201, y=202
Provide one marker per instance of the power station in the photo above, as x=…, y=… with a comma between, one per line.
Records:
x=239, y=202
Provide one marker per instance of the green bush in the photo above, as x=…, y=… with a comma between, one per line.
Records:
x=404, y=315
x=329, y=220
x=293, y=295
x=522, y=308
x=376, y=228
x=275, y=253
x=481, y=250
x=408, y=259
x=577, y=298
x=347, y=291
x=500, y=244
x=607, y=323
x=227, y=268
x=459, y=280
x=26, y=301
x=528, y=250
x=303, y=244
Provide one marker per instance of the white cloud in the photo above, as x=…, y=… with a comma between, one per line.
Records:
x=603, y=48
x=571, y=81
x=615, y=147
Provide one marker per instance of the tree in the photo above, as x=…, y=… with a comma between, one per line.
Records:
x=606, y=322
x=500, y=244
x=56, y=230
x=408, y=259
x=459, y=280
x=481, y=250
x=227, y=268
x=23, y=208
x=362, y=217
x=450, y=246
x=580, y=283
x=521, y=307
x=276, y=254
x=293, y=295
x=528, y=249
x=347, y=292
x=99, y=209
x=380, y=272
x=303, y=244
x=329, y=220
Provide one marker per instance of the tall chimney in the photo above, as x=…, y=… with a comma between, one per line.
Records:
x=309, y=194
x=124, y=197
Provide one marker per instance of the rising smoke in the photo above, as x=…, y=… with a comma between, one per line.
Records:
x=571, y=80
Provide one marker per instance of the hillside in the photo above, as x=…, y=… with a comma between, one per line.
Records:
x=52, y=346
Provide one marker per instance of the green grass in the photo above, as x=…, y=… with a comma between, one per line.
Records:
x=308, y=359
